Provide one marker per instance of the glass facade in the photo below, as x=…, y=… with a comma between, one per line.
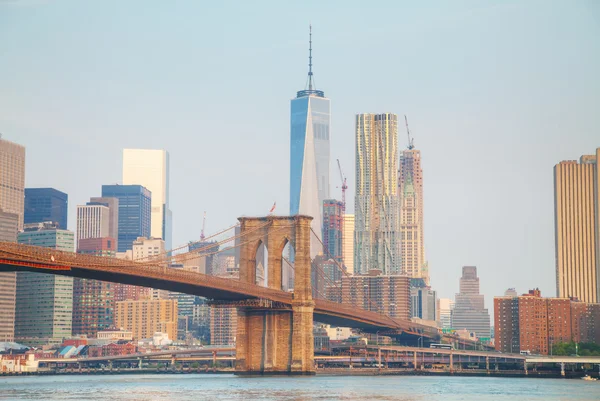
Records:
x=134, y=212
x=46, y=204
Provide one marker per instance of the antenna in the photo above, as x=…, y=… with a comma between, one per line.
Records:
x=411, y=144
x=203, y=225
x=310, y=83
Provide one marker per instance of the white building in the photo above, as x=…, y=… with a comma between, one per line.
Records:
x=92, y=221
x=444, y=312
x=348, y=243
x=150, y=168
x=144, y=248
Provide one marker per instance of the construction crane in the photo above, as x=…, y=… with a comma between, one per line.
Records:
x=344, y=186
x=203, y=226
x=411, y=145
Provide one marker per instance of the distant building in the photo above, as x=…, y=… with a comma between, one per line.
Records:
x=388, y=295
x=348, y=243
x=92, y=221
x=134, y=212
x=46, y=204
x=146, y=248
x=113, y=214
x=532, y=323
x=469, y=311
x=146, y=317
x=511, y=292
x=333, y=230
x=577, y=228
x=223, y=325
x=9, y=223
x=44, y=307
x=150, y=168
x=376, y=231
x=444, y=312
x=423, y=300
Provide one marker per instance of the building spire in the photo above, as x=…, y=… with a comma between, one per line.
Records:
x=310, y=73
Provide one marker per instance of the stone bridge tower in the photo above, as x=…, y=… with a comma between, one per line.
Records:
x=273, y=338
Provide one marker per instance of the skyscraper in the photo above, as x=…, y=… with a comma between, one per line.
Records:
x=44, y=301
x=469, y=311
x=333, y=229
x=410, y=193
x=309, y=152
x=12, y=185
x=92, y=221
x=113, y=214
x=150, y=168
x=376, y=201
x=348, y=243
x=577, y=228
x=134, y=212
x=46, y=204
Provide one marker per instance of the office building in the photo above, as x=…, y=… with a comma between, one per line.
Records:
x=134, y=212
x=92, y=221
x=146, y=317
x=385, y=294
x=309, y=153
x=510, y=292
x=46, y=204
x=223, y=325
x=376, y=230
x=348, y=243
x=535, y=324
x=93, y=300
x=445, y=306
x=147, y=248
x=469, y=311
x=8, y=281
x=44, y=302
x=410, y=193
x=150, y=168
x=423, y=300
x=577, y=228
x=113, y=215
x=333, y=230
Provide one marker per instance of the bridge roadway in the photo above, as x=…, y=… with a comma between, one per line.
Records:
x=20, y=257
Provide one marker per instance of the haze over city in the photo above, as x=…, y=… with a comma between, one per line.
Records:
x=496, y=94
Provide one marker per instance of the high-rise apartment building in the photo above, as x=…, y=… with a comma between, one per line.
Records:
x=146, y=317
x=309, y=153
x=333, y=230
x=385, y=294
x=150, y=168
x=532, y=323
x=577, y=228
x=134, y=212
x=44, y=307
x=469, y=311
x=376, y=232
x=113, y=214
x=410, y=194
x=12, y=197
x=46, y=204
x=92, y=221
x=348, y=243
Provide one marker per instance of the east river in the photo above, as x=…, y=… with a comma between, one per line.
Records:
x=323, y=388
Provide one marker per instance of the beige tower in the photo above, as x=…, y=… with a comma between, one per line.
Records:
x=12, y=198
x=410, y=193
x=577, y=228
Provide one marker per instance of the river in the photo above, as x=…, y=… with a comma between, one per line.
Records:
x=323, y=388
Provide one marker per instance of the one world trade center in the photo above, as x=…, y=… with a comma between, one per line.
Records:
x=309, y=152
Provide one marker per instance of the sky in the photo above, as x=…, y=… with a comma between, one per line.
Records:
x=496, y=94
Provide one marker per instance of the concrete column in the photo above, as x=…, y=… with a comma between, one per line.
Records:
x=140, y=363
x=525, y=367
x=415, y=360
x=379, y=359
x=451, y=362
x=487, y=364
x=562, y=368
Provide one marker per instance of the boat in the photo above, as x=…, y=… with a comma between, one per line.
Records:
x=589, y=378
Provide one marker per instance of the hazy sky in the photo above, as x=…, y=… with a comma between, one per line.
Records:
x=496, y=94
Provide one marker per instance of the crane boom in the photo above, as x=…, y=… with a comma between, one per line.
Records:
x=344, y=186
x=410, y=140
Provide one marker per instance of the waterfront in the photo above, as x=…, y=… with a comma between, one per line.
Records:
x=322, y=388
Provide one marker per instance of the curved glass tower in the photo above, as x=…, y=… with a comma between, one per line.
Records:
x=309, y=152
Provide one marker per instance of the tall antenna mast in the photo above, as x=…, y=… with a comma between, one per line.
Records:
x=310, y=83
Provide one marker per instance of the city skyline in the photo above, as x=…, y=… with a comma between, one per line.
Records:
x=444, y=155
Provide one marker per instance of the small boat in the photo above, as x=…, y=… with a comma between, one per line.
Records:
x=589, y=378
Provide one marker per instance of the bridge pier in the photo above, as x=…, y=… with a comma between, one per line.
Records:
x=273, y=338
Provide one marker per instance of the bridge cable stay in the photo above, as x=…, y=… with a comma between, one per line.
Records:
x=294, y=269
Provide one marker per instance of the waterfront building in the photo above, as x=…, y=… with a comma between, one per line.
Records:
x=445, y=306
x=92, y=221
x=134, y=212
x=577, y=228
x=150, y=168
x=385, y=294
x=410, y=193
x=113, y=215
x=309, y=153
x=376, y=229
x=143, y=318
x=423, y=300
x=46, y=204
x=44, y=302
x=348, y=243
x=469, y=311
x=535, y=324
x=333, y=230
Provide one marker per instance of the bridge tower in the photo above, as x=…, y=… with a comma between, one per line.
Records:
x=272, y=338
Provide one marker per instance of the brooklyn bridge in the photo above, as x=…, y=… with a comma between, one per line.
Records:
x=275, y=326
